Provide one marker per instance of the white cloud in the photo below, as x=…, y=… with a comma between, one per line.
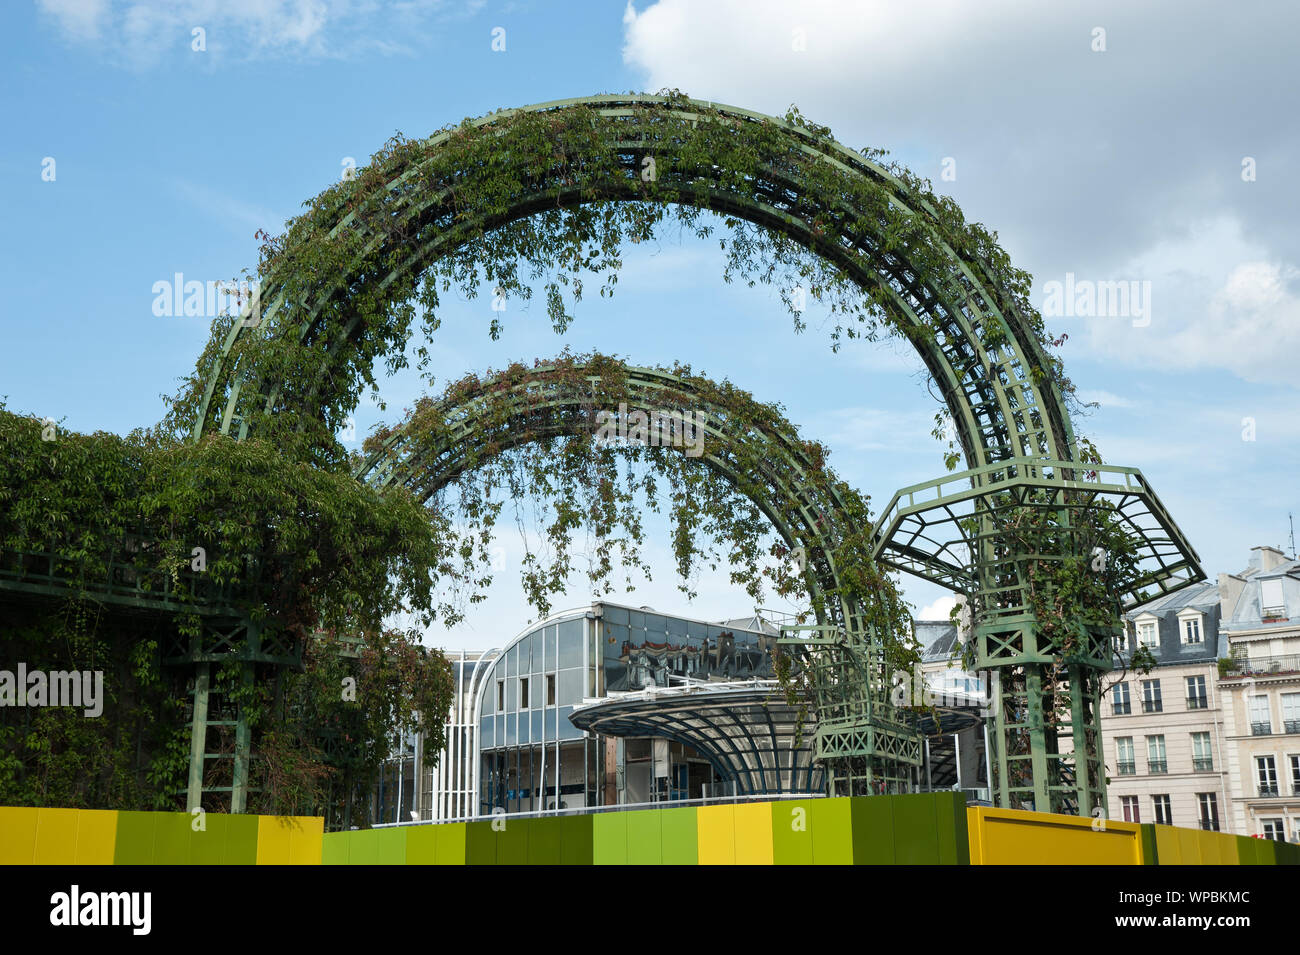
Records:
x=938, y=610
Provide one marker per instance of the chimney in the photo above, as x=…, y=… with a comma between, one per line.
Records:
x=1266, y=558
x=1230, y=588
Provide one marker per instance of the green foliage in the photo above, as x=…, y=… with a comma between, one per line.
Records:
x=287, y=543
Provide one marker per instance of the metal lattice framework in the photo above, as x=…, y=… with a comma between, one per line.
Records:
x=982, y=351
x=863, y=742
x=949, y=532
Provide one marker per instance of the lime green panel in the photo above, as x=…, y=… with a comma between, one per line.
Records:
x=334, y=848
x=134, y=838
x=609, y=838
x=480, y=844
x=644, y=837
x=544, y=841
x=575, y=840
x=512, y=842
x=363, y=849
x=832, y=831
x=392, y=846
x=678, y=837
x=241, y=839
x=792, y=842
x=954, y=835
x=451, y=843
x=171, y=838
x=874, y=831
x=422, y=845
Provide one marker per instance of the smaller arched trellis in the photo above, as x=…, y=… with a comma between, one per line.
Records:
x=863, y=741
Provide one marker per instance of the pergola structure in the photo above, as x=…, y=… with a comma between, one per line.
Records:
x=981, y=349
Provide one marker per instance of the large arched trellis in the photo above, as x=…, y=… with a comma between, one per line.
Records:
x=865, y=744
x=982, y=350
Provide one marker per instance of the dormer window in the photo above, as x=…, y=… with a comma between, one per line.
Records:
x=1271, y=601
x=1192, y=628
x=1146, y=633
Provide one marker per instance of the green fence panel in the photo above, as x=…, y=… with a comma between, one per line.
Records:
x=134, y=844
x=512, y=841
x=916, y=829
x=172, y=838
x=451, y=843
x=575, y=840
x=792, y=841
x=544, y=836
x=609, y=838
x=679, y=836
x=876, y=828
x=480, y=844
x=832, y=831
x=644, y=837
x=954, y=833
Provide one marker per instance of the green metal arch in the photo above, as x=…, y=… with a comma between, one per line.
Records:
x=999, y=409
x=806, y=513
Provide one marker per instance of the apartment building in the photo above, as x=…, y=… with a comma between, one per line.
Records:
x=1260, y=690
x=1163, y=731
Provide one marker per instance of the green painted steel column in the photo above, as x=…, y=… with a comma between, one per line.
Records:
x=198, y=736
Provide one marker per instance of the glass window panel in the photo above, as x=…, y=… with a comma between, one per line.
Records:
x=677, y=628
x=512, y=735
x=512, y=661
x=615, y=614
x=636, y=619
x=487, y=735
x=536, y=721
x=570, y=640
x=656, y=625
x=549, y=649
x=567, y=729
x=570, y=687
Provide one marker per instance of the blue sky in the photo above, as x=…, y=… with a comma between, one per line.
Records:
x=1123, y=163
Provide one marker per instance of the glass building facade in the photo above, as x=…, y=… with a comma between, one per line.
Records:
x=532, y=757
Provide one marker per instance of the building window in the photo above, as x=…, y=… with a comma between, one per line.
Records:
x=1120, y=643
x=1261, y=722
x=1295, y=774
x=1146, y=630
x=1273, y=829
x=1192, y=630
x=1208, y=807
x=1202, y=758
x=501, y=696
x=1291, y=712
x=1266, y=774
x=1130, y=804
x=1196, y=699
x=550, y=689
x=1120, y=699
x=1164, y=810
x=1156, y=755
x=523, y=692
x=1126, y=762
x=1271, y=601
x=1151, y=696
